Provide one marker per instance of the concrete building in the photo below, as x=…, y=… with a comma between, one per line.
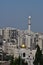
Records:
x=21, y=42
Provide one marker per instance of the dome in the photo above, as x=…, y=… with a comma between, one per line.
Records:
x=23, y=46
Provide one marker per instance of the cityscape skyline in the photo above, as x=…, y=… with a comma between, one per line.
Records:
x=15, y=14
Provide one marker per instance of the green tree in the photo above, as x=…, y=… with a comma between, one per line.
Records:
x=18, y=61
x=38, y=56
x=12, y=60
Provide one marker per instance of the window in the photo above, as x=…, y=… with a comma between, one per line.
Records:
x=23, y=54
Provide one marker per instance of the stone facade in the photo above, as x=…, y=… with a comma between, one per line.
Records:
x=21, y=42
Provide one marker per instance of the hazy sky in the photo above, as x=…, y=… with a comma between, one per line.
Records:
x=14, y=13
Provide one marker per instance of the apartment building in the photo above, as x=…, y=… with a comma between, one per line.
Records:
x=21, y=42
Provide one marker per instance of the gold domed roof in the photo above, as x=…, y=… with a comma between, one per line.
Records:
x=23, y=46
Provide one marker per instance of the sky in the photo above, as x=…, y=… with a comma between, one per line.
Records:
x=14, y=13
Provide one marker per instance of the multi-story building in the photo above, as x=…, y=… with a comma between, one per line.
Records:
x=21, y=42
x=1, y=50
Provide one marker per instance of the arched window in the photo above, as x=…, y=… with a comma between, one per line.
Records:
x=23, y=54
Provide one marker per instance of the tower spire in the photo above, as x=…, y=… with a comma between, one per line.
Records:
x=29, y=33
x=29, y=23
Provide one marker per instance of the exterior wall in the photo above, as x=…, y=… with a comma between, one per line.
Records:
x=40, y=42
x=13, y=39
x=7, y=35
x=4, y=63
x=0, y=31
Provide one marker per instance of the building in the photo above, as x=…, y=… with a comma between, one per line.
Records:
x=21, y=42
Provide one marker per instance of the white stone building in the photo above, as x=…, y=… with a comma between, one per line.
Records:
x=21, y=42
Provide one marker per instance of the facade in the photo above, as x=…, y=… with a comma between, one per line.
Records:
x=21, y=42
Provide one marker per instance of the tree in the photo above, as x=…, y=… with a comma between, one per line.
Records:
x=18, y=61
x=38, y=56
x=12, y=61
